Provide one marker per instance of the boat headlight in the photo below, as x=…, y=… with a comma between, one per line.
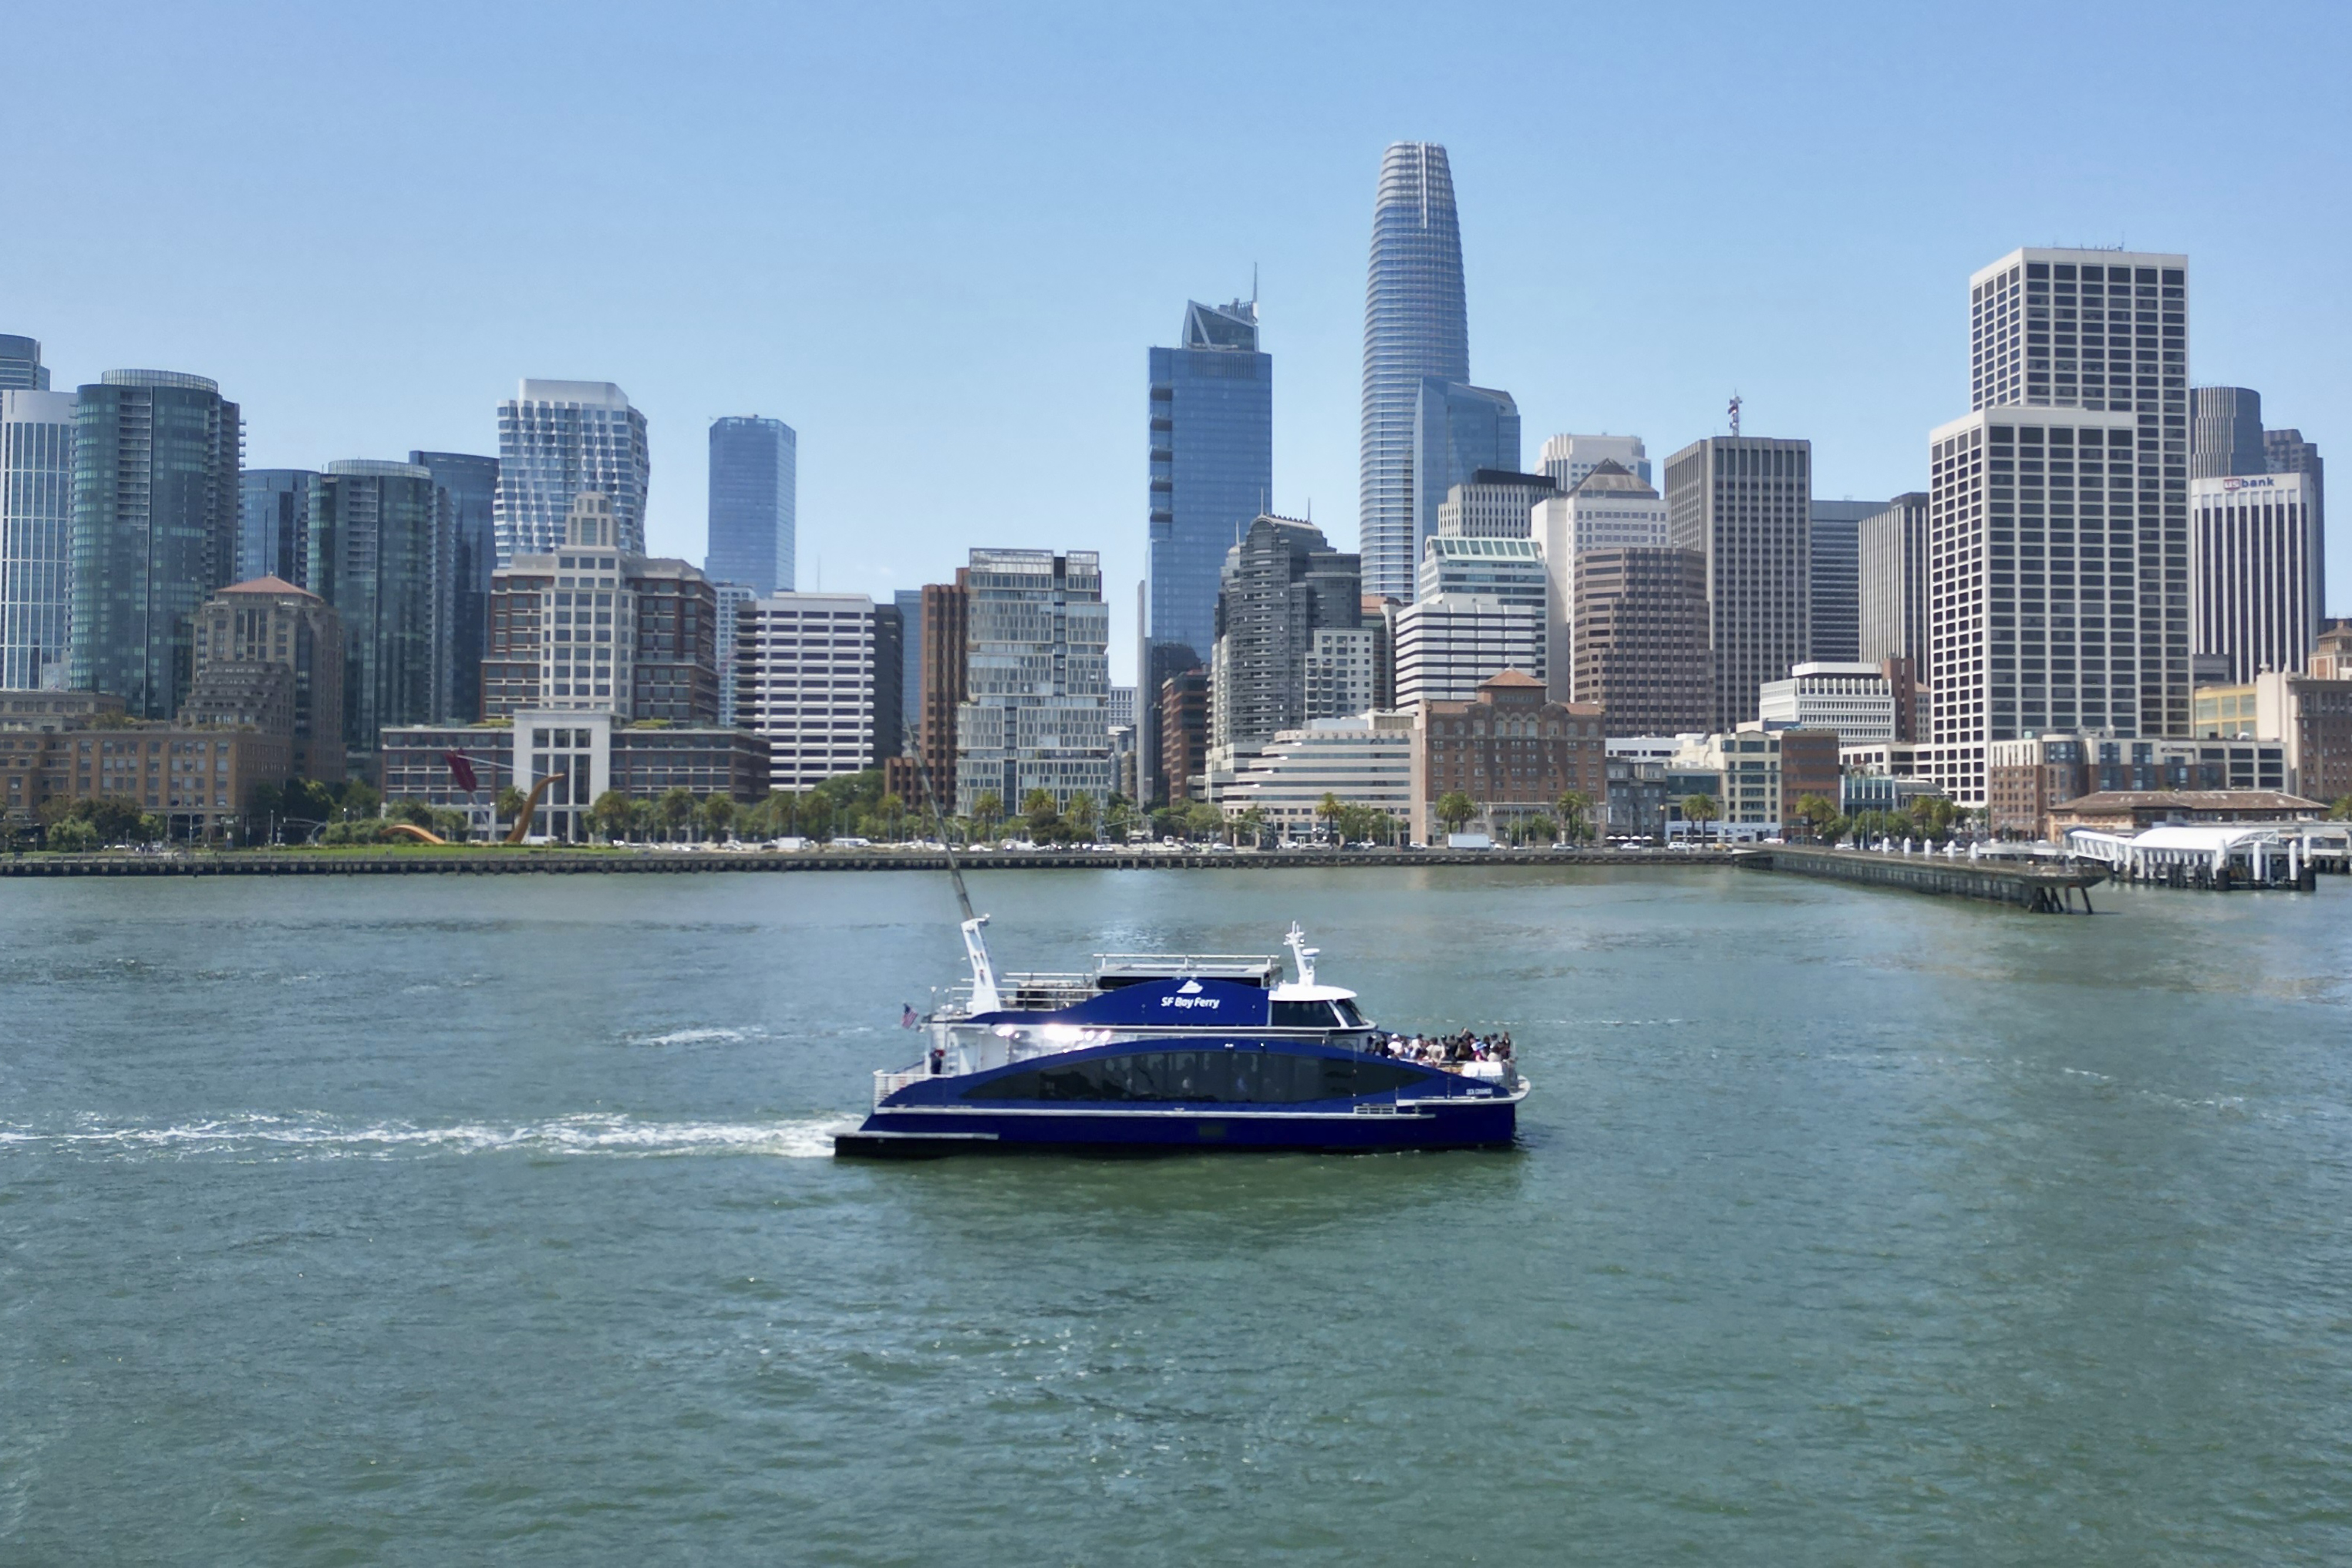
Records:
x=1062, y=1034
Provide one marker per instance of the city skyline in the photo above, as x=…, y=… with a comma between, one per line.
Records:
x=1634, y=332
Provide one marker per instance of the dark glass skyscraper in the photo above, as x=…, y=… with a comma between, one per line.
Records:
x=1416, y=326
x=20, y=364
x=1456, y=431
x=472, y=484
x=754, y=481
x=273, y=525
x=379, y=554
x=1212, y=465
x=156, y=456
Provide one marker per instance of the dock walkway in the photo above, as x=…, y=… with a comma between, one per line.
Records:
x=2039, y=887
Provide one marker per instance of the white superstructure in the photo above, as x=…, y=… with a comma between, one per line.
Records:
x=1855, y=700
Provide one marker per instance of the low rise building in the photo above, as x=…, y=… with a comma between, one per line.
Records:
x=1809, y=766
x=200, y=780
x=2136, y=810
x=1747, y=768
x=1637, y=799
x=1183, y=753
x=1365, y=760
x=2312, y=718
x=589, y=753
x=1511, y=751
x=2027, y=782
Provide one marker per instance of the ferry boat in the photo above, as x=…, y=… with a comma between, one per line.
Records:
x=1179, y=1051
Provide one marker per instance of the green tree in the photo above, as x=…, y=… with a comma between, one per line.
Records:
x=358, y=799
x=415, y=813
x=1699, y=809
x=1080, y=816
x=1331, y=808
x=1541, y=830
x=719, y=813
x=675, y=809
x=1820, y=814
x=609, y=817
x=1575, y=814
x=1455, y=809
x=509, y=804
x=1203, y=820
x=71, y=835
x=1250, y=825
x=1044, y=818
x=453, y=824
x=2342, y=811
x=987, y=811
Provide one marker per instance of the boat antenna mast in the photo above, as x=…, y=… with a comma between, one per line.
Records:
x=984, y=998
x=1302, y=953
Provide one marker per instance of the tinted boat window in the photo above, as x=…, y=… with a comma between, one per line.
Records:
x=1300, y=1015
x=1219, y=1076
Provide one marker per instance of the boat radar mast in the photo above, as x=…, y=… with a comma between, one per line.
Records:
x=1299, y=950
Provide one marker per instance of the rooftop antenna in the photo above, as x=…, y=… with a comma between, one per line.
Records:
x=1253, y=291
x=1735, y=413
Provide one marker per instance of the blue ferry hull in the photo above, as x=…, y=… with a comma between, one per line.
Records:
x=1466, y=1124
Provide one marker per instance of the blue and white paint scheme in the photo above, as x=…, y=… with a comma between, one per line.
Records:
x=1180, y=1051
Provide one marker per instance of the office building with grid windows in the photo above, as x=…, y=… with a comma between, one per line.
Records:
x=1745, y=504
x=1036, y=710
x=1212, y=447
x=36, y=477
x=1567, y=459
x=561, y=439
x=2257, y=569
x=809, y=669
x=1891, y=582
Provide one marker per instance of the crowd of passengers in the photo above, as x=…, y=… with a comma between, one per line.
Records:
x=1440, y=1050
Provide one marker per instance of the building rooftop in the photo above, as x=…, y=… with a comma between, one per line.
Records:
x=2187, y=801
x=269, y=585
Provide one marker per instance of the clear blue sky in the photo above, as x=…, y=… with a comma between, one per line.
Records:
x=937, y=241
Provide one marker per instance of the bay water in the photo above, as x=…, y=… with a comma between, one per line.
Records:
x=452, y=1220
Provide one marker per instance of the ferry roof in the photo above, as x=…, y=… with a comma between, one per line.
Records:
x=1113, y=969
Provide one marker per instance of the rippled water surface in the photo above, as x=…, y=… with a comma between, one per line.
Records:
x=443, y=1219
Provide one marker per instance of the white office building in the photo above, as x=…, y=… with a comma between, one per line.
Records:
x=1494, y=505
x=1855, y=700
x=1364, y=760
x=1610, y=507
x=1341, y=672
x=1567, y=459
x=1509, y=569
x=37, y=462
x=1449, y=642
x=556, y=440
x=804, y=682
x=2257, y=569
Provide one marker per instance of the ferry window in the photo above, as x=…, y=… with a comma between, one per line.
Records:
x=1300, y=1015
x=1347, y=1013
x=1219, y=1076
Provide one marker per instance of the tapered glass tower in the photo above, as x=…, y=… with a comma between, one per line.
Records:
x=1415, y=327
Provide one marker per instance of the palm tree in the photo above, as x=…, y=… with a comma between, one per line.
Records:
x=1253, y=822
x=1453, y=808
x=987, y=811
x=1699, y=809
x=509, y=804
x=609, y=817
x=1078, y=816
x=718, y=814
x=1330, y=809
x=675, y=809
x=1575, y=813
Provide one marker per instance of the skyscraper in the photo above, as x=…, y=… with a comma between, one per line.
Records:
x=472, y=486
x=1416, y=326
x=1609, y=508
x=1640, y=618
x=754, y=505
x=156, y=456
x=1745, y=504
x=557, y=439
x=1891, y=582
x=1038, y=677
x=1212, y=465
x=273, y=524
x=1280, y=585
x=810, y=674
x=2105, y=331
x=380, y=556
x=2225, y=432
x=1493, y=503
x=20, y=364
x=36, y=478
x=1568, y=458
x=1836, y=610
x=1457, y=431
x=909, y=603
x=2258, y=568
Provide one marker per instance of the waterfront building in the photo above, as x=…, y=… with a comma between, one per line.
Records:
x=273, y=524
x=1808, y=767
x=1637, y=799
x=1212, y=465
x=379, y=553
x=36, y=491
x=1416, y=326
x=1567, y=459
x=1184, y=751
x=2312, y=717
x=809, y=669
x=2104, y=331
x=1610, y=507
x=1510, y=750
x=1459, y=430
x=2225, y=432
x=20, y=364
x=2030, y=777
x=1340, y=680
x=156, y=456
x=908, y=602
x=754, y=504
x=1364, y=759
x=590, y=752
x=2040, y=619
x=1494, y=505
x=1891, y=582
x=2136, y=812
x=1745, y=765
x=269, y=623
x=1855, y=700
x=470, y=483
x=1745, y=504
x=946, y=618
x=591, y=628
x=558, y=440
x=1834, y=591
x=1636, y=629
x=2257, y=569
x=198, y=776
x=1037, y=679
x=1280, y=585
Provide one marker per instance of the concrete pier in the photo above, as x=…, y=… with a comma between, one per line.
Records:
x=2042, y=889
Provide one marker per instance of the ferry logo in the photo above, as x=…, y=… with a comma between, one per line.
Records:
x=1189, y=989
x=1187, y=995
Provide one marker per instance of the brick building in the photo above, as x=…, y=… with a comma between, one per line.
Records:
x=1510, y=750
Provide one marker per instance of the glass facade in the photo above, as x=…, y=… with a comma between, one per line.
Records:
x=1836, y=588
x=471, y=483
x=156, y=456
x=1456, y=431
x=380, y=554
x=754, y=486
x=1416, y=326
x=273, y=524
x=36, y=441
x=556, y=440
x=20, y=364
x=1037, y=674
x=1212, y=463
